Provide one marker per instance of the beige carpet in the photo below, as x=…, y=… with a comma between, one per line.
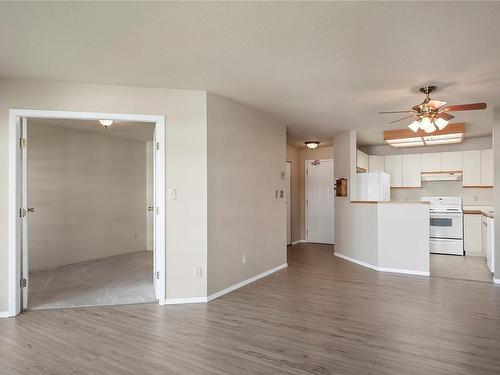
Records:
x=460, y=267
x=116, y=280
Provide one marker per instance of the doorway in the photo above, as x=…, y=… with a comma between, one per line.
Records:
x=319, y=195
x=21, y=210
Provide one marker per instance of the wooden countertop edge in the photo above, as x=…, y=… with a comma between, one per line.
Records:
x=390, y=202
x=478, y=212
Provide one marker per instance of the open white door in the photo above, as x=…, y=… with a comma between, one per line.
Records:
x=159, y=216
x=319, y=201
x=288, y=198
x=24, y=213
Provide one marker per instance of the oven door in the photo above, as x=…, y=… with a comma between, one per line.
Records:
x=446, y=225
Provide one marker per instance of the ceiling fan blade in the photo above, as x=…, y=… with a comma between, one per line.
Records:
x=445, y=116
x=465, y=107
x=401, y=119
x=435, y=104
x=383, y=113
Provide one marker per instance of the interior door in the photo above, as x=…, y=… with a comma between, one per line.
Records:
x=319, y=201
x=23, y=213
x=288, y=201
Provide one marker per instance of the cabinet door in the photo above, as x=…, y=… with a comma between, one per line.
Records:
x=431, y=162
x=394, y=167
x=451, y=161
x=487, y=167
x=472, y=168
x=412, y=171
x=362, y=160
x=376, y=163
x=472, y=235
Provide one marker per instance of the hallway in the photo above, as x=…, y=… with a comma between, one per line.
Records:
x=321, y=315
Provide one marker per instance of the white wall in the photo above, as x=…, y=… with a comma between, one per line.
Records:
x=186, y=163
x=246, y=156
x=89, y=195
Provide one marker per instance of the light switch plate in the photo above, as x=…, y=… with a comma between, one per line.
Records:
x=172, y=194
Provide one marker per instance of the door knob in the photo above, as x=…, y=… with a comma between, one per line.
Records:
x=31, y=209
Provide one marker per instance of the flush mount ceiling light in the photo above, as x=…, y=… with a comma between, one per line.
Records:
x=106, y=123
x=431, y=114
x=312, y=144
x=454, y=133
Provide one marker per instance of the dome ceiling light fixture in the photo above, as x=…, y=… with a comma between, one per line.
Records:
x=106, y=123
x=312, y=144
x=431, y=114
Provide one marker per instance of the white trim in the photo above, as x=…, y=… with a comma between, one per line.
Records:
x=299, y=241
x=13, y=222
x=177, y=301
x=382, y=269
x=496, y=281
x=4, y=314
x=245, y=282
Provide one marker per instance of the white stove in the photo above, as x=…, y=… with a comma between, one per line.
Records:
x=446, y=225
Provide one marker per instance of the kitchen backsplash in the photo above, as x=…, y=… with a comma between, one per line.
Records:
x=470, y=196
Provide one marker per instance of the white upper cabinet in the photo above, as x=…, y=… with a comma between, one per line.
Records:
x=376, y=163
x=471, y=161
x=431, y=162
x=412, y=170
x=451, y=161
x=487, y=167
x=362, y=160
x=394, y=167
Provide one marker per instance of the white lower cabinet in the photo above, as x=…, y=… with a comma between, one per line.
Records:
x=472, y=235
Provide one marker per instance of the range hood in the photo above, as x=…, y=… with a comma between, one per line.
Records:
x=442, y=176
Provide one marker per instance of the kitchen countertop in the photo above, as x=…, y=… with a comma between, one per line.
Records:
x=487, y=211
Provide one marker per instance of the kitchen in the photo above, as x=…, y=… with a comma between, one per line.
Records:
x=455, y=175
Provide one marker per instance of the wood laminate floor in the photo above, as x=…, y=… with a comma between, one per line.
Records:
x=321, y=315
x=460, y=267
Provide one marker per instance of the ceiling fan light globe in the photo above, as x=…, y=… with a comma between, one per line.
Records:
x=414, y=126
x=441, y=123
x=431, y=129
x=425, y=123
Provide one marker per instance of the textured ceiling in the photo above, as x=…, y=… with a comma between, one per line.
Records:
x=322, y=67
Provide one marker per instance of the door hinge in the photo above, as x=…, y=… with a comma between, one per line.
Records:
x=22, y=212
x=157, y=145
x=23, y=143
x=23, y=283
x=158, y=275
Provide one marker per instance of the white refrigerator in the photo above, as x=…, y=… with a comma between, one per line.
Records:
x=374, y=186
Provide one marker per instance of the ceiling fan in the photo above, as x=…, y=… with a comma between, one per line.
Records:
x=431, y=115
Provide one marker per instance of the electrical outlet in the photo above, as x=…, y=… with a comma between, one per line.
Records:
x=199, y=272
x=244, y=259
x=172, y=194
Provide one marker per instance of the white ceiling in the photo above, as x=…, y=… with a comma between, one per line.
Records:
x=139, y=131
x=322, y=67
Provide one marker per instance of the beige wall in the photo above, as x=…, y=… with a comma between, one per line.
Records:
x=186, y=164
x=308, y=154
x=89, y=195
x=246, y=157
x=292, y=155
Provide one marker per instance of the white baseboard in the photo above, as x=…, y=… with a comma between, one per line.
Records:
x=299, y=241
x=245, y=282
x=382, y=269
x=177, y=301
x=496, y=281
x=4, y=314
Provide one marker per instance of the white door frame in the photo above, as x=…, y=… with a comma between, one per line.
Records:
x=289, y=220
x=14, y=222
x=305, y=194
